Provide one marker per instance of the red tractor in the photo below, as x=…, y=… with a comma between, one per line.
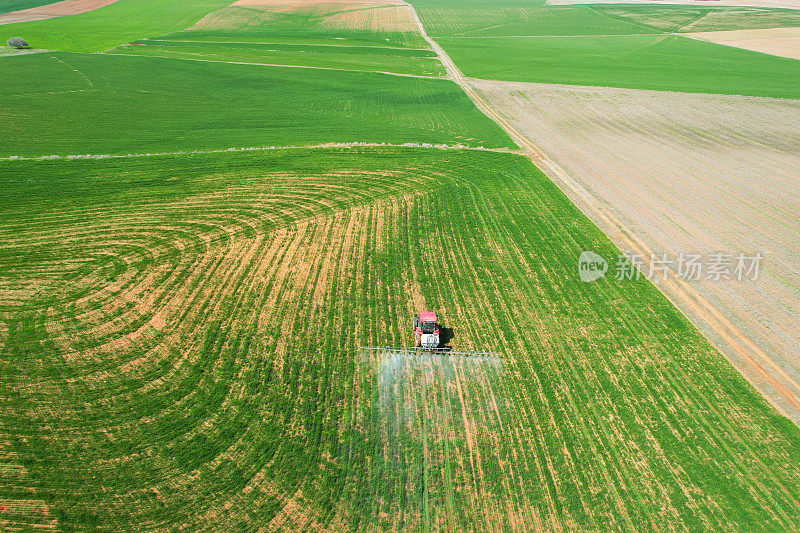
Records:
x=426, y=330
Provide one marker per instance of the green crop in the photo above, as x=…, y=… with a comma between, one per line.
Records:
x=7, y=6
x=399, y=60
x=118, y=23
x=141, y=104
x=659, y=62
x=181, y=346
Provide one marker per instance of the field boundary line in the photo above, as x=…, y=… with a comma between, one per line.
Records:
x=386, y=72
x=697, y=310
x=264, y=149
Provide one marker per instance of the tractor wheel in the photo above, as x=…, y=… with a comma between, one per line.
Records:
x=417, y=342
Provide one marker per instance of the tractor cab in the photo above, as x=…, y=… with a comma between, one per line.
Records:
x=426, y=330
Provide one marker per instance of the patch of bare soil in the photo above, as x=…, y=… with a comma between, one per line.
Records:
x=383, y=18
x=784, y=42
x=349, y=15
x=59, y=9
x=680, y=173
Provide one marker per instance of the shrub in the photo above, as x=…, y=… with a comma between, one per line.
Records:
x=17, y=42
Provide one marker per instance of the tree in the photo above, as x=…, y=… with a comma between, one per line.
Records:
x=17, y=42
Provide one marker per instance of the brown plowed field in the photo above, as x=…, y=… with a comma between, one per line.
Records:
x=783, y=42
x=670, y=173
x=59, y=9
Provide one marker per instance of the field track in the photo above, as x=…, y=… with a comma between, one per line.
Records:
x=59, y=9
x=258, y=149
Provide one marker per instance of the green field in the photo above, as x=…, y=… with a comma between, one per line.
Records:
x=348, y=37
x=180, y=345
x=118, y=23
x=673, y=18
x=610, y=45
x=397, y=60
x=138, y=104
x=504, y=20
x=182, y=315
x=7, y=6
x=659, y=62
x=448, y=19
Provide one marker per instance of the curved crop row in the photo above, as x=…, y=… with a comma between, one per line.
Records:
x=180, y=347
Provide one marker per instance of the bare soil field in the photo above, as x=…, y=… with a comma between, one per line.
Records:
x=679, y=173
x=59, y=9
x=789, y=4
x=332, y=15
x=783, y=42
x=382, y=18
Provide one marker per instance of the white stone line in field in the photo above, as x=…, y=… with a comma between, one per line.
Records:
x=259, y=149
x=278, y=65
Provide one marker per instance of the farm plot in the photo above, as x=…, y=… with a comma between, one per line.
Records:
x=690, y=174
x=675, y=18
x=7, y=6
x=144, y=104
x=659, y=62
x=190, y=324
x=29, y=10
x=510, y=20
x=352, y=58
x=445, y=19
x=310, y=23
x=614, y=46
x=769, y=4
x=355, y=36
x=783, y=42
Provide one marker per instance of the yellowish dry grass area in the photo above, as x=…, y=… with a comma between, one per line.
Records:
x=784, y=42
